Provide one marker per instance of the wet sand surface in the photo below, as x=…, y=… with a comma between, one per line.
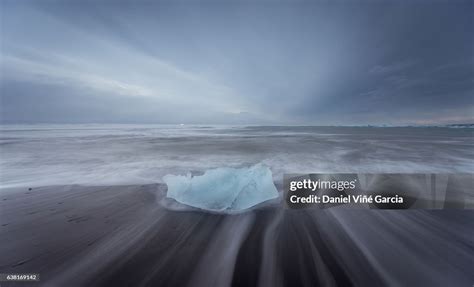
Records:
x=123, y=236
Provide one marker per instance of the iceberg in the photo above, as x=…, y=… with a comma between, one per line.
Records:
x=223, y=189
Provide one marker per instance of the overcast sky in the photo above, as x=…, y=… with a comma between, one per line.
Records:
x=268, y=62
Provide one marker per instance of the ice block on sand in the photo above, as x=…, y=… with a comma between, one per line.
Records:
x=223, y=189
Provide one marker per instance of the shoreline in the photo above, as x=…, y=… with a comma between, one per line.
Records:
x=121, y=236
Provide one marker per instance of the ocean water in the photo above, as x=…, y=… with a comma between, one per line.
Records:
x=332, y=247
x=40, y=155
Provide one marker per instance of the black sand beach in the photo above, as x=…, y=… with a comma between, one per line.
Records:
x=122, y=236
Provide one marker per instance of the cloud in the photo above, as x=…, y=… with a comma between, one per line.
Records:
x=286, y=63
x=33, y=71
x=392, y=68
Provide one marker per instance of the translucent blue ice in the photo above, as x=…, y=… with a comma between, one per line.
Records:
x=223, y=189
